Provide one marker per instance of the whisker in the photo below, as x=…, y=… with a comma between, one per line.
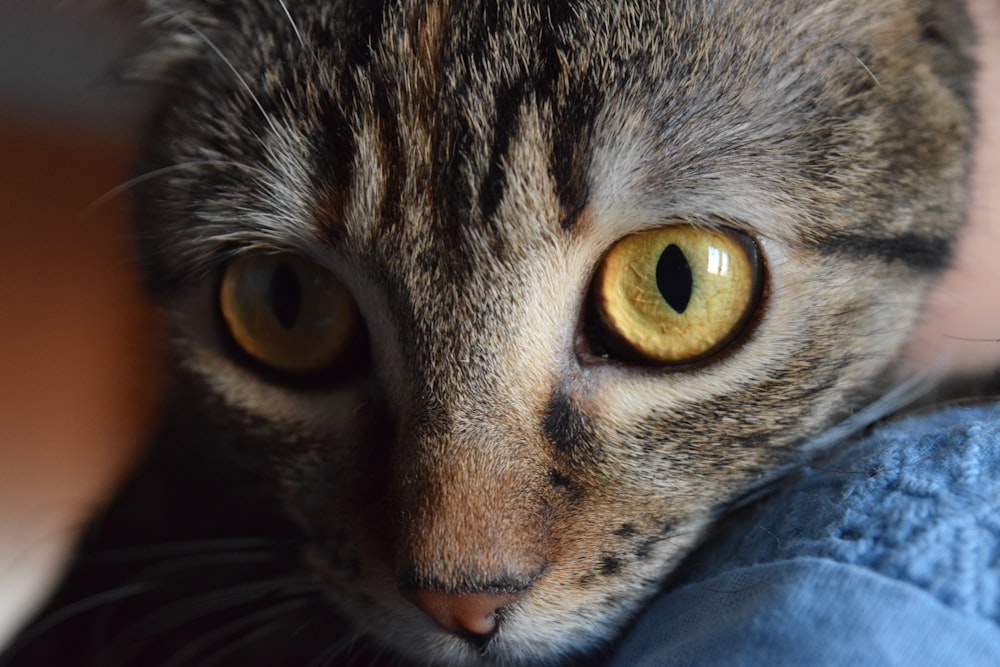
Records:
x=74, y=609
x=179, y=549
x=973, y=340
x=899, y=396
x=177, y=614
x=163, y=171
x=298, y=34
x=291, y=22
x=268, y=118
x=188, y=654
x=222, y=56
x=862, y=63
x=169, y=616
x=181, y=564
x=346, y=651
x=332, y=652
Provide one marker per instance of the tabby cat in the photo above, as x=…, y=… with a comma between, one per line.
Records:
x=482, y=310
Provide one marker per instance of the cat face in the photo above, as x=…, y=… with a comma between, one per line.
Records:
x=501, y=300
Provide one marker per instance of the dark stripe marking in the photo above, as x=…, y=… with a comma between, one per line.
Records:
x=574, y=112
x=565, y=426
x=923, y=253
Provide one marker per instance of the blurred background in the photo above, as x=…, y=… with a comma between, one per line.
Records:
x=79, y=349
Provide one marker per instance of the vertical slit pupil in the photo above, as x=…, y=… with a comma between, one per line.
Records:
x=674, y=279
x=286, y=295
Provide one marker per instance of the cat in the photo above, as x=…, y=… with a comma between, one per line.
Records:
x=481, y=311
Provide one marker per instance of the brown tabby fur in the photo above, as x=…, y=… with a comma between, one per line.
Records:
x=462, y=167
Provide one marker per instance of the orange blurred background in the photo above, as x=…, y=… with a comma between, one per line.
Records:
x=79, y=348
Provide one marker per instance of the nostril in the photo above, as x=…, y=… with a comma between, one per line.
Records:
x=462, y=613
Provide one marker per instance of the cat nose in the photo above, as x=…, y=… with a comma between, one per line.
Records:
x=462, y=613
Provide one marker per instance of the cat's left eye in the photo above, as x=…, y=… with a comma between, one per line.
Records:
x=676, y=294
x=286, y=313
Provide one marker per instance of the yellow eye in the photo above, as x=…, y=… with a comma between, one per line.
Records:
x=289, y=314
x=678, y=293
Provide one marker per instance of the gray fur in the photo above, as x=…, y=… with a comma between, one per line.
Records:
x=484, y=171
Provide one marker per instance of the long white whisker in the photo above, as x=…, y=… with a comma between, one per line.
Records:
x=82, y=606
x=177, y=614
x=182, y=549
x=275, y=157
x=899, y=396
x=187, y=655
x=222, y=56
x=298, y=33
x=163, y=171
x=291, y=21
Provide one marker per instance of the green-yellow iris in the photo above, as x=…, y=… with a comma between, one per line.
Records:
x=677, y=293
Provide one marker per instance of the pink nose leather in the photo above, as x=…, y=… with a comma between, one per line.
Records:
x=462, y=613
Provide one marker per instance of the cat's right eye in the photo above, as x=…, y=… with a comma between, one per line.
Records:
x=678, y=293
x=287, y=313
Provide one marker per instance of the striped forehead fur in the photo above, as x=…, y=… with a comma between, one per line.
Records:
x=628, y=141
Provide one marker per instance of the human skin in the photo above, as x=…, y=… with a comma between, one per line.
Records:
x=961, y=331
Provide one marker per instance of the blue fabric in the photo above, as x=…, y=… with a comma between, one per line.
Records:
x=884, y=551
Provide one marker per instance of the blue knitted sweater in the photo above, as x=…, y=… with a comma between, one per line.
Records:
x=884, y=551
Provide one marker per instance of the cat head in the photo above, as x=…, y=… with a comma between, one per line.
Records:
x=502, y=299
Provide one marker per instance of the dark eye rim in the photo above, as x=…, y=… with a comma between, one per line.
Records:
x=596, y=345
x=349, y=365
